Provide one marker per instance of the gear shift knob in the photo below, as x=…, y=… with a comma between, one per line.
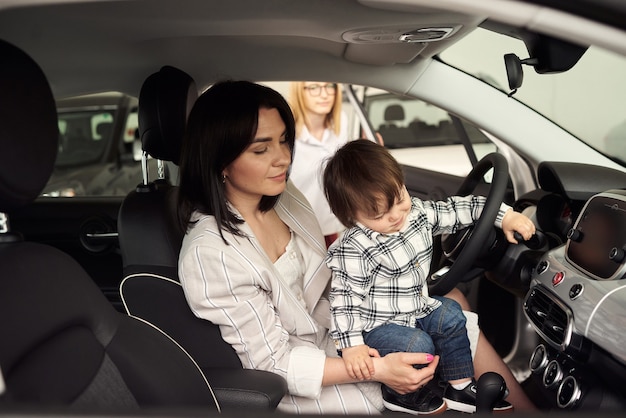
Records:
x=490, y=388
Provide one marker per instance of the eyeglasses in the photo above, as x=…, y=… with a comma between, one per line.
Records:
x=316, y=89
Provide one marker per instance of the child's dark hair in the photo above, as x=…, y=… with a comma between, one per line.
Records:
x=361, y=176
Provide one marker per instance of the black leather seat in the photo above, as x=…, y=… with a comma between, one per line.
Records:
x=62, y=343
x=393, y=114
x=150, y=242
x=104, y=130
x=393, y=134
x=150, y=238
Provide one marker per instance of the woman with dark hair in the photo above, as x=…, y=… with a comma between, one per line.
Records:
x=231, y=110
x=252, y=259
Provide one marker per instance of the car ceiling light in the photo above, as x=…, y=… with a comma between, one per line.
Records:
x=400, y=34
x=426, y=35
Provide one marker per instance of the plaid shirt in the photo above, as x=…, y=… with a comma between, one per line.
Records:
x=379, y=278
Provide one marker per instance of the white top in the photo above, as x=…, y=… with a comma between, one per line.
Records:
x=307, y=170
x=290, y=265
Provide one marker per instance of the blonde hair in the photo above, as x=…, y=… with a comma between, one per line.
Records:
x=296, y=101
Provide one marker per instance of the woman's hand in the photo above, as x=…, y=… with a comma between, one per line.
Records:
x=396, y=370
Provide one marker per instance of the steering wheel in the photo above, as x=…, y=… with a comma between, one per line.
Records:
x=482, y=228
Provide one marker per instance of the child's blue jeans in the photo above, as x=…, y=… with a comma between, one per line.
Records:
x=442, y=332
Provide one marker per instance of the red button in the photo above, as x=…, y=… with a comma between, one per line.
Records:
x=557, y=279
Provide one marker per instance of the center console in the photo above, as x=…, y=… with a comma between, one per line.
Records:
x=577, y=304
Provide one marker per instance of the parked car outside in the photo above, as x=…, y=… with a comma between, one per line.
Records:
x=97, y=153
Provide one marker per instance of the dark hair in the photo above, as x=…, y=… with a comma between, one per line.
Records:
x=221, y=125
x=357, y=176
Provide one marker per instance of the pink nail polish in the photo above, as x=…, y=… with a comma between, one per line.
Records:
x=429, y=357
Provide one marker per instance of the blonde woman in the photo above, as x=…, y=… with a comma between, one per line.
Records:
x=320, y=131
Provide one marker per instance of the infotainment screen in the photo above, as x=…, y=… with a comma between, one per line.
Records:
x=597, y=242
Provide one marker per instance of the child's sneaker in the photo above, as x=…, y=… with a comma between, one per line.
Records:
x=422, y=402
x=464, y=400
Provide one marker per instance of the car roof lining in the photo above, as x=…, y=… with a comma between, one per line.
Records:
x=140, y=41
x=115, y=45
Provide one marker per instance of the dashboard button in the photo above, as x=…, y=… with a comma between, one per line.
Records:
x=552, y=375
x=575, y=291
x=539, y=359
x=557, y=278
x=574, y=235
x=542, y=266
x=617, y=254
x=569, y=392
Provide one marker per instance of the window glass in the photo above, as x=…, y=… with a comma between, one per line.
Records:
x=84, y=136
x=97, y=139
x=422, y=135
x=417, y=133
x=587, y=100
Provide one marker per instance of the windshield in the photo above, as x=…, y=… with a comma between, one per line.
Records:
x=587, y=100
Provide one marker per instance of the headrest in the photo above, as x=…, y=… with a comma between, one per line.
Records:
x=29, y=132
x=394, y=112
x=104, y=129
x=165, y=100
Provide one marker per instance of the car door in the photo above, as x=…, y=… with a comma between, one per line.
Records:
x=84, y=228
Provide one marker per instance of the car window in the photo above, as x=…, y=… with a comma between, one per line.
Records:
x=97, y=152
x=425, y=136
x=83, y=136
x=417, y=133
x=586, y=100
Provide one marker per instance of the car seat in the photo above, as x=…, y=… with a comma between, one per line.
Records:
x=63, y=344
x=149, y=234
x=104, y=130
x=393, y=134
x=150, y=242
x=393, y=114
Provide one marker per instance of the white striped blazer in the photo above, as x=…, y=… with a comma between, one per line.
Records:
x=237, y=287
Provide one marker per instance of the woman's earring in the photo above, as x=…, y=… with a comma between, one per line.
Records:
x=223, y=178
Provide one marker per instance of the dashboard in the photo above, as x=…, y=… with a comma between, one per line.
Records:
x=576, y=302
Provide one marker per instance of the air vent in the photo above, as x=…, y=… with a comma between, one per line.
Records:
x=550, y=317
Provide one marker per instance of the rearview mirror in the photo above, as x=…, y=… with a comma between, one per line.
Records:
x=514, y=71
